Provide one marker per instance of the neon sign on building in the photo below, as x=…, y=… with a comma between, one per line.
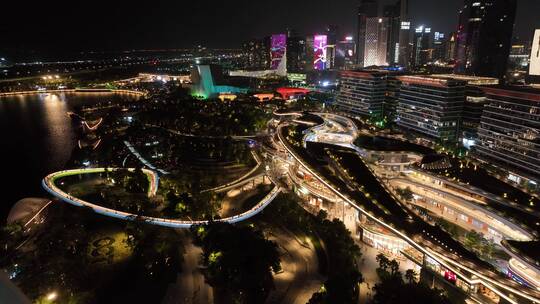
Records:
x=278, y=50
x=320, y=43
x=534, y=68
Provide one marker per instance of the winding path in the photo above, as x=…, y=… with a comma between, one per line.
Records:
x=49, y=185
x=422, y=243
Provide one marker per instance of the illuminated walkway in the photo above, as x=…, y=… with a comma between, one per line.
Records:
x=252, y=175
x=49, y=185
x=431, y=248
x=471, y=209
x=178, y=133
x=142, y=159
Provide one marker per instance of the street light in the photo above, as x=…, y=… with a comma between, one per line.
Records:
x=52, y=296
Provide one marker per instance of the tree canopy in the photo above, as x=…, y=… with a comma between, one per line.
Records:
x=238, y=259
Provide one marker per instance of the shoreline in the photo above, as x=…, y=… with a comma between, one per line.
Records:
x=116, y=91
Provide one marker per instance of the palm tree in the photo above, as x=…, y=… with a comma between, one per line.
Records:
x=394, y=267
x=410, y=275
x=383, y=261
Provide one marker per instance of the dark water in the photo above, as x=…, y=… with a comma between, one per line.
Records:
x=37, y=138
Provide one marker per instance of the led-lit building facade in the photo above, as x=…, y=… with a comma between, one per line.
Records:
x=366, y=9
x=509, y=132
x=534, y=66
x=484, y=37
x=278, y=51
x=208, y=81
x=363, y=93
x=431, y=106
x=376, y=46
x=345, y=53
x=320, y=44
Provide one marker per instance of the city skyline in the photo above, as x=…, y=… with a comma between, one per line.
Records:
x=168, y=25
x=347, y=152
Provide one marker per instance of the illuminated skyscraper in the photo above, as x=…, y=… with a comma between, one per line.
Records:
x=484, y=37
x=421, y=46
x=296, y=52
x=320, y=59
x=278, y=52
x=376, y=47
x=451, y=46
x=398, y=32
x=345, y=53
x=257, y=53
x=440, y=42
x=332, y=33
x=534, y=66
x=366, y=9
x=404, y=56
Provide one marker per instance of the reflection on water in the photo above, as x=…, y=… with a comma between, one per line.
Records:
x=37, y=138
x=59, y=135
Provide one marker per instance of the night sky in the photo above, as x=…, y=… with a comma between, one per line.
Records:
x=119, y=25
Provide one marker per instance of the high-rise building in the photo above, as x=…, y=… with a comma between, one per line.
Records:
x=392, y=13
x=392, y=96
x=332, y=34
x=484, y=37
x=366, y=9
x=509, y=133
x=369, y=93
x=534, y=66
x=320, y=48
x=398, y=32
x=422, y=51
x=376, y=47
x=345, y=54
x=404, y=55
x=278, y=52
x=363, y=93
x=257, y=53
x=473, y=106
x=310, y=52
x=431, y=106
x=440, y=42
x=296, y=53
x=451, y=47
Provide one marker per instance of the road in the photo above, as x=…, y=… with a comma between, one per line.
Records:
x=300, y=277
x=190, y=286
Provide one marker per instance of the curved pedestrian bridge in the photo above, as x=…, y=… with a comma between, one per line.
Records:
x=49, y=184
